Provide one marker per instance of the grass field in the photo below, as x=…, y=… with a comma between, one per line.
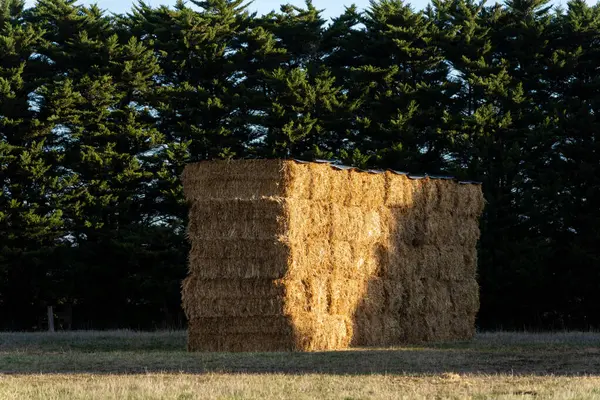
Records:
x=129, y=365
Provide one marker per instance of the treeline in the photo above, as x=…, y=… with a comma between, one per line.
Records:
x=99, y=113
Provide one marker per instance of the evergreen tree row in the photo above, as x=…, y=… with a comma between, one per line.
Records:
x=99, y=113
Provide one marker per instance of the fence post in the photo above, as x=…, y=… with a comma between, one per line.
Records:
x=50, y=319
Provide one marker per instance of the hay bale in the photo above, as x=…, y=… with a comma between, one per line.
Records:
x=399, y=191
x=345, y=294
x=271, y=325
x=251, y=179
x=313, y=331
x=297, y=256
x=469, y=200
x=320, y=182
x=340, y=186
x=195, y=285
x=367, y=190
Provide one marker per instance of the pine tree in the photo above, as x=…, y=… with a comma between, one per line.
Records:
x=97, y=103
x=291, y=93
x=31, y=183
x=566, y=169
x=499, y=55
x=397, y=73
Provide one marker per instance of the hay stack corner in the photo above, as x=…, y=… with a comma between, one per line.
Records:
x=296, y=256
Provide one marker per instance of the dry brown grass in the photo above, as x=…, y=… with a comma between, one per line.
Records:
x=123, y=364
x=222, y=386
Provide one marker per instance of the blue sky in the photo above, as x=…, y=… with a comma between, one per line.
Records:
x=331, y=8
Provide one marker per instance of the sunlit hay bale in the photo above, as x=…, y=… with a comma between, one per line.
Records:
x=339, y=181
x=354, y=259
x=345, y=294
x=321, y=331
x=399, y=191
x=298, y=296
x=375, y=226
x=309, y=258
x=469, y=200
x=322, y=294
x=342, y=258
x=347, y=223
x=358, y=224
x=305, y=219
x=296, y=179
x=321, y=181
x=317, y=287
x=365, y=257
x=367, y=190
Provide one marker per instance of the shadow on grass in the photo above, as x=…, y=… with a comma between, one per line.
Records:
x=128, y=353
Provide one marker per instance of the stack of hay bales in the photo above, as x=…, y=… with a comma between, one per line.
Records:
x=308, y=256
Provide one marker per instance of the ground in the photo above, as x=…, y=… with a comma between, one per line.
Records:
x=123, y=364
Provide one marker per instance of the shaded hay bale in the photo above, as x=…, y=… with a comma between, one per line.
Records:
x=271, y=325
x=229, y=288
x=250, y=179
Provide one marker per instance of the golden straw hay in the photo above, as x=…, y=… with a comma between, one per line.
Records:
x=367, y=190
x=298, y=256
x=399, y=191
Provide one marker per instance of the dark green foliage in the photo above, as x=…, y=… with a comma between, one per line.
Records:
x=99, y=114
